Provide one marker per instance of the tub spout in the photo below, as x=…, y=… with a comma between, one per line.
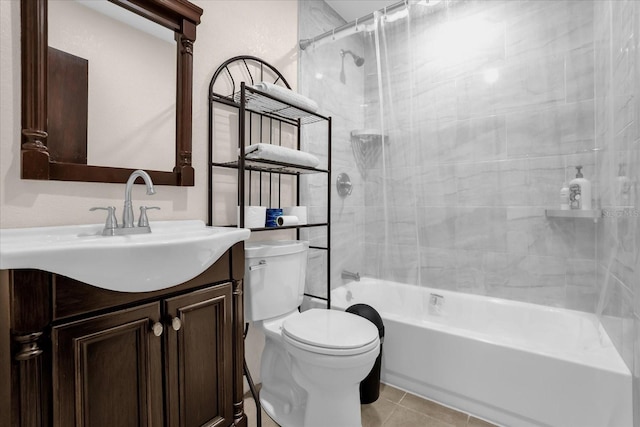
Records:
x=349, y=275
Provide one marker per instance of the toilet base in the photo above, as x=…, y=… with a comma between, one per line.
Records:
x=281, y=398
x=345, y=410
x=338, y=408
x=271, y=405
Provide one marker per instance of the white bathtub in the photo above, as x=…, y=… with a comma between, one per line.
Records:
x=511, y=363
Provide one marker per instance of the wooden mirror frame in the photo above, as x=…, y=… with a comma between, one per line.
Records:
x=180, y=16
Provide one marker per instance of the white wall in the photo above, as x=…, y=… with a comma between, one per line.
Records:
x=264, y=28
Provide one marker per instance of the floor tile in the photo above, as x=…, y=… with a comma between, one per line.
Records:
x=376, y=413
x=475, y=422
x=433, y=410
x=391, y=393
x=394, y=408
x=403, y=417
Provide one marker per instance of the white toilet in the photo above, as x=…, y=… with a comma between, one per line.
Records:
x=312, y=362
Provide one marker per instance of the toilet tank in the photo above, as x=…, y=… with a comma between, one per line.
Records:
x=274, y=276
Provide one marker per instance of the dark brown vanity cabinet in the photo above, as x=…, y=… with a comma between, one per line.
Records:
x=91, y=357
x=200, y=388
x=107, y=370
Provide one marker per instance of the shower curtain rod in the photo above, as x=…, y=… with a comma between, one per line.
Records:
x=305, y=43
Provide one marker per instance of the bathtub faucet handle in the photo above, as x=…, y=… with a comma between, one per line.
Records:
x=436, y=299
x=350, y=275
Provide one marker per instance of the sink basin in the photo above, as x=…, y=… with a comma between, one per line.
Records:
x=174, y=252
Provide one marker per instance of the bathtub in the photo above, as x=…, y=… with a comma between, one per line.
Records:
x=510, y=363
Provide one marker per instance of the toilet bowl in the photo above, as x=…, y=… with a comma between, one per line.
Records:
x=313, y=361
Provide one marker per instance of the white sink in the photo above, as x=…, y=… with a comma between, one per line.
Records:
x=174, y=252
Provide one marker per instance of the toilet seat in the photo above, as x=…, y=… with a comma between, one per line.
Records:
x=330, y=332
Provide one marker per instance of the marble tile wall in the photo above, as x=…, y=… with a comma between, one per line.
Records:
x=338, y=87
x=617, y=125
x=488, y=114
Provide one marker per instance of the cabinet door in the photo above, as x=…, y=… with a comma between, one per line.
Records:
x=107, y=370
x=198, y=360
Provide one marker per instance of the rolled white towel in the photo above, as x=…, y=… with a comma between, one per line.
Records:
x=277, y=153
x=298, y=211
x=285, y=220
x=287, y=95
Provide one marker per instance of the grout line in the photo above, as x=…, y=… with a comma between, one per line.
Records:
x=385, y=422
x=468, y=416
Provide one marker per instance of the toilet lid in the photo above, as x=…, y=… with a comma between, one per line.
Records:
x=331, y=329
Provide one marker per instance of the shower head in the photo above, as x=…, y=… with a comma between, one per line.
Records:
x=357, y=59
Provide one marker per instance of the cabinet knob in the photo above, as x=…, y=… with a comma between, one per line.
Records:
x=176, y=323
x=157, y=329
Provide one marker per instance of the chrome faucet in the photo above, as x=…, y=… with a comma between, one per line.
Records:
x=127, y=214
x=112, y=228
x=349, y=275
x=436, y=304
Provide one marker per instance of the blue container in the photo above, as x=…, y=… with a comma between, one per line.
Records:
x=272, y=214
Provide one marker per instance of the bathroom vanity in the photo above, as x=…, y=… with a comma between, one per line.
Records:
x=72, y=354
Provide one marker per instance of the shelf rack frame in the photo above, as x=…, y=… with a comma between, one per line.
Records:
x=236, y=75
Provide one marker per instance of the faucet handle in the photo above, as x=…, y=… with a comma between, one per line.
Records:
x=143, y=221
x=112, y=221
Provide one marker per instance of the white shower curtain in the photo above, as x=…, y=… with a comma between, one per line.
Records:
x=486, y=108
x=394, y=164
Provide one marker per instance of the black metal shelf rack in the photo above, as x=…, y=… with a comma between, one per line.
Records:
x=258, y=110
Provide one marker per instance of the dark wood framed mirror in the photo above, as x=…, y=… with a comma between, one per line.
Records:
x=180, y=16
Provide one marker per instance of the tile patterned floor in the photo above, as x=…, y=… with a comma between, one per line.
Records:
x=394, y=408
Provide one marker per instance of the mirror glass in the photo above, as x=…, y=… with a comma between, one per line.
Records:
x=130, y=64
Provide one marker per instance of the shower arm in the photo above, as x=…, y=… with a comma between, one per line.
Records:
x=358, y=60
x=305, y=43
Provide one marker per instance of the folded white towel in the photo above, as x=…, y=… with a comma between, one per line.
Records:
x=277, y=153
x=287, y=95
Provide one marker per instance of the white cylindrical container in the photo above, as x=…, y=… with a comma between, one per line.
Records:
x=623, y=188
x=564, y=197
x=254, y=216
x=297, y=211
